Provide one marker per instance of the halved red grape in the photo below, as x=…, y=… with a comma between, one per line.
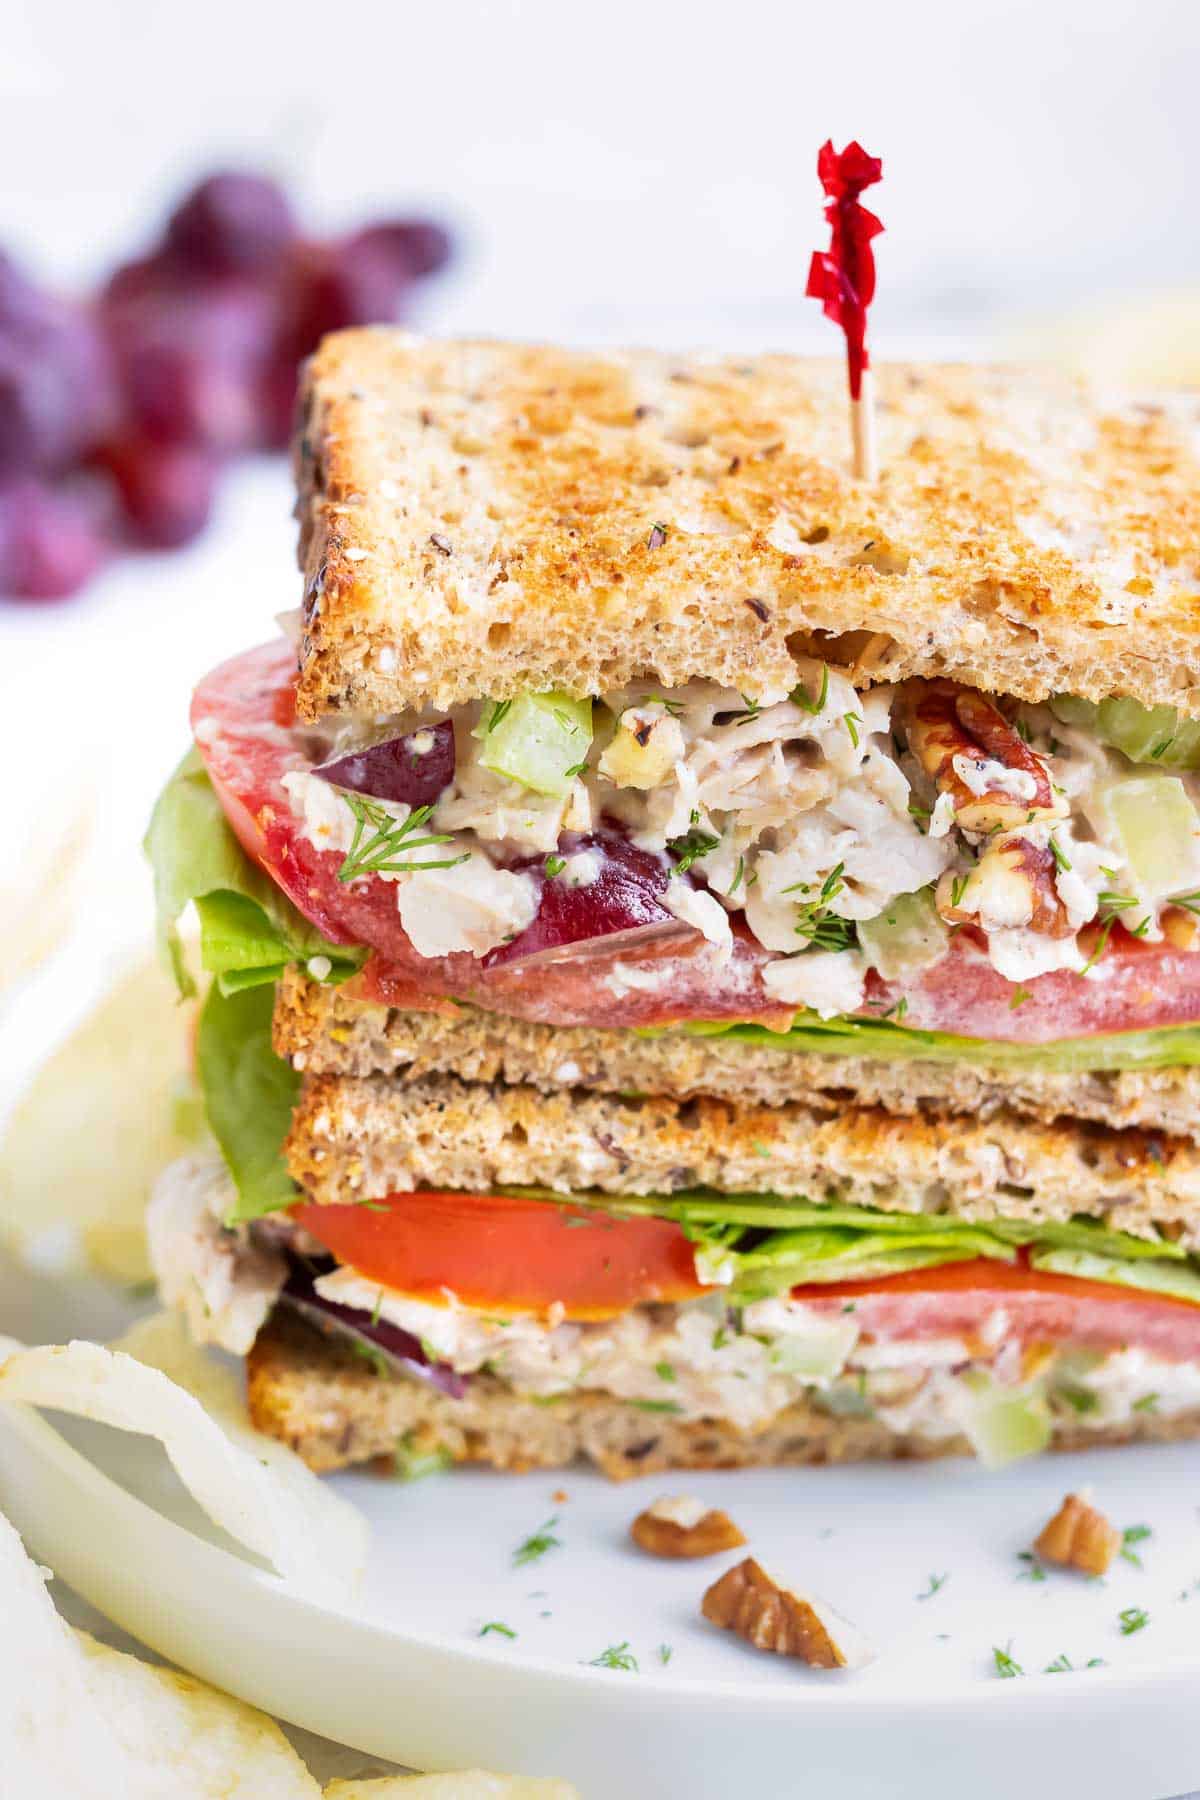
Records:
x=166, y=490
x=620, y=910
x=232, y=223
x=50, y=544
x=415, y=768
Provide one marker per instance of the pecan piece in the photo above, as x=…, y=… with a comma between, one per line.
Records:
x=1079, y=1537
x=969, y=750
x=771, y=1617
x=682, y=1527
x=1012, y=885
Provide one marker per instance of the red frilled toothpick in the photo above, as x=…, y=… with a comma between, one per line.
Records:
x=842, y=278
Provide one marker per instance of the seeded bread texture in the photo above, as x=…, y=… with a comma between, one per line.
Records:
x=333, y=1409
x=326, y=1030
x=487, y=518
x=361, y=1138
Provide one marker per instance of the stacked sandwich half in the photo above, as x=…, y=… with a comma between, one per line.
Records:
x=704, y=952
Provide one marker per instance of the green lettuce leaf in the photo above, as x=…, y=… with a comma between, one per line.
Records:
x=1154, y=1277
x=249, y=929
x=765, y=1243
x=790, y=1259
x=1174, y=1046
x=249, y=1093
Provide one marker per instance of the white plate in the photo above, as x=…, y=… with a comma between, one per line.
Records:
x=406, y=1675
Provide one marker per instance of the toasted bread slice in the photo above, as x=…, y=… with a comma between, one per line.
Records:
x=327, y=1031
x=360, y=1138
x=330, y=1406
x=484, y=518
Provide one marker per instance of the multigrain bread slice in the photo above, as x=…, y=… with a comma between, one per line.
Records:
x=360, y=1138
x=334, y=1409
x=485, y=518
x=328, y=1031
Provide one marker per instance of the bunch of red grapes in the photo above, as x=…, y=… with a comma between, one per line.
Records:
x=117, y=414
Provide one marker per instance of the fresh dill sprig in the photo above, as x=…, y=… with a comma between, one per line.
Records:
x=497, y=1627
x=1131, y=1619
x=390, y=839
x=689, y=848
x=1134, y=1534
x=617, y=1656
x=536, y=1545
x=823, y=929
x=935, y=1582
x=1004, y=1664
x=799, y=698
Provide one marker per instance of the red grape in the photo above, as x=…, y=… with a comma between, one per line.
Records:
x=166, y=490
x=191, y=357
x=232, y=223
x=188, y=354
x=336, y=285
x=416, y=247
x=620, y=908
x=56, y=388
x=415, y=768
x=22, y=302
x=50, y=545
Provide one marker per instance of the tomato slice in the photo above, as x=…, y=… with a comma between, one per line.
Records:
x=495, y=1252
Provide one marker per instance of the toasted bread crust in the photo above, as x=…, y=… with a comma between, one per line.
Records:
x=478, y=519
x=325, y=1030
x=359, y=1138
x=315, y=1395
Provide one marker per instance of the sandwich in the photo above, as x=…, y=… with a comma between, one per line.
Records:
x=704, y=952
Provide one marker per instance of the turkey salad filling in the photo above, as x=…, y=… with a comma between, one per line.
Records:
x=844, y=831
x=750, y=1348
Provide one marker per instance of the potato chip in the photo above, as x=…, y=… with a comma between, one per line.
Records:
x=37, y=903
x=299, y=1528
x=469, y=1784
x=99, y=1122
x=79, y=1718
x=193, y=1742
x=338, y=1529
x=52, y=1740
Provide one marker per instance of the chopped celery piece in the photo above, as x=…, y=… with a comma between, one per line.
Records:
x=1178, y=1281
x=539, y=740
x=818, y=1352
x=1159, y=831
x=1073, y=711
x=1142, y=733
x=1003, y=1423
x=905, y=937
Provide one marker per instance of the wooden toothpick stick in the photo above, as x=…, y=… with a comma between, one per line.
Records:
x=842, y=278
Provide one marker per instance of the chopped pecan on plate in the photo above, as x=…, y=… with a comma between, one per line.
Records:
x=682, y=1527
x=1079, y=1537
x=772, y=1617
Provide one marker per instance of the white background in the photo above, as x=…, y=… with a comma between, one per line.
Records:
x=639, y=168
